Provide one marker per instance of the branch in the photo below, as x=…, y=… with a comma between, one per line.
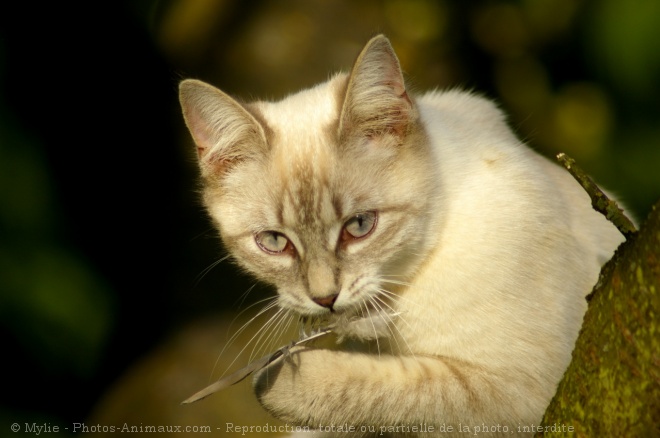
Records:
x=600, y=202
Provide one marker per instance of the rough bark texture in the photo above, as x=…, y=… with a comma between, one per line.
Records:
x=612, y=386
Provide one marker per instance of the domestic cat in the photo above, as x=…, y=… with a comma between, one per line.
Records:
x=419, y=221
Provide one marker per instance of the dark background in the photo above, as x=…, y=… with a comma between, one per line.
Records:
x=104, y=247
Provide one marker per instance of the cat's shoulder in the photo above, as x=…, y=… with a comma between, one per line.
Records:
x=467, y=125
x=457, y=98
x=462, y=105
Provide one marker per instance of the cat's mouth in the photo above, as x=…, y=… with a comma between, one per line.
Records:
x=328, y=311
x=365, y=322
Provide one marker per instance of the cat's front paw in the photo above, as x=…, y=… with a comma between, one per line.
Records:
x=282, y=386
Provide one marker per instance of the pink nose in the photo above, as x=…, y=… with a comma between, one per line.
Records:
x=327, y=302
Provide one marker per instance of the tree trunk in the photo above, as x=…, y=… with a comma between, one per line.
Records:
x=612, y=386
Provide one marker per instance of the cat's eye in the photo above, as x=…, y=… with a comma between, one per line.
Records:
x=273, y=242
x=359, y=226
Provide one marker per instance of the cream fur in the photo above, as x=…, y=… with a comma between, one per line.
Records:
x=473, y=278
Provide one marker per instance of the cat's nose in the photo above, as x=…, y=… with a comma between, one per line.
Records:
x=327, y=301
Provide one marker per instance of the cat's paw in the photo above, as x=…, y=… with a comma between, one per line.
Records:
x=281, y=386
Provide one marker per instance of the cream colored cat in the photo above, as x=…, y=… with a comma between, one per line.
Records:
x=419, y=220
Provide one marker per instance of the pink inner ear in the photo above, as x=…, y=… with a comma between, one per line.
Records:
x=210, y=163
x=200, y=132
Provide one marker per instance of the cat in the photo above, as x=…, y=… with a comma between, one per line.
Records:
x=419, y=222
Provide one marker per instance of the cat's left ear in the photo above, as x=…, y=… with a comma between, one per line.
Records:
x=376, y=100
x=224, y=131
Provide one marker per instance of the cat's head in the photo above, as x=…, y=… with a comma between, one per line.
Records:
x=326, y=194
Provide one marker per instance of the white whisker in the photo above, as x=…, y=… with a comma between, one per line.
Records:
x=274, y=299
x=392, y=296
x=373, y=325
x=386, y=318
x=264, y=331
x=208, y=269
x=277, y=331
x=397, y=282
x=393, y=323
x=244, y=326
x=399, y=297
x=243, y=297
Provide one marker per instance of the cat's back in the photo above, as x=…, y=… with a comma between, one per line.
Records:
x=516, y=238
x=491, y=168
x=498, y=193
x=456, y=110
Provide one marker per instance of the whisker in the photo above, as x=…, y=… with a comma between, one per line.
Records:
x=233, y=338
x=257, y=315
x=244, y=326
x=292, y=317
x=397, y=282
x=264, y=331
x=241, y=300
x=276, y=333
x=208, y=269
x=394, y=296
x=386, y=318
x=373, y=325
x=389, y=295
x=378, y=301
x=279, y=329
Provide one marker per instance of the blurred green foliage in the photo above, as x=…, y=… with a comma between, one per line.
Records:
x=580, y=77
x=51, y=298
x=575, y=77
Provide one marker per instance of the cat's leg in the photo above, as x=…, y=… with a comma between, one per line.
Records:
x=324, y=389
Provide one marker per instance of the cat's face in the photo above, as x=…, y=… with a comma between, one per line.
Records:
x=322, y=196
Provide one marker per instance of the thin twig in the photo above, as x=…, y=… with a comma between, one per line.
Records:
x=599, y=200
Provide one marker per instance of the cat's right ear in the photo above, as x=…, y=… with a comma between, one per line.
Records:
x=223, y=130
x=376, y=101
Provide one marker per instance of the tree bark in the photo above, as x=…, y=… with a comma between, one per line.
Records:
x=612, y=386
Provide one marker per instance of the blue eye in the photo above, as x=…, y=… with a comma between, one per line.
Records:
x=272, y=242
x=360, y=225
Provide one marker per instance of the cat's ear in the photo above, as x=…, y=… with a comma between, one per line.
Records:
x=376, y=101
x=223, y=130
